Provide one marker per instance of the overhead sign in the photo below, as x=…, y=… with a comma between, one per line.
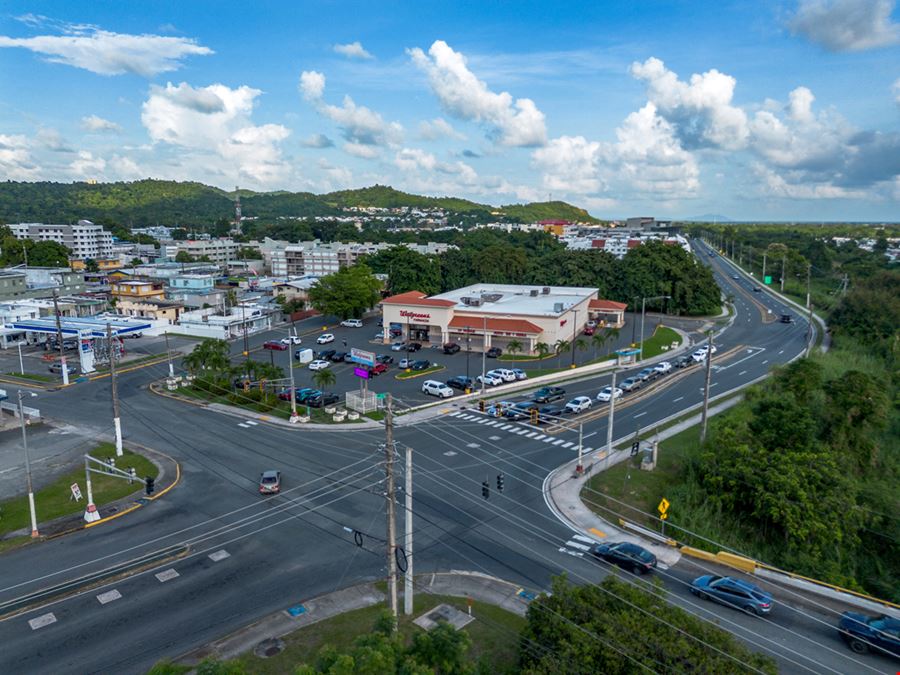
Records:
x=362, y=356
x=361, y=372
x=76, y=491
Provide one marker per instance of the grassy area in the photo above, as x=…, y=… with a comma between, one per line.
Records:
x=662, y=337
x=523, y=357
x=418, y=373
x=131, y=362
x=377, y=415
x=34, y=376
x=494, y=639
x=281, y=410
x=54, y=500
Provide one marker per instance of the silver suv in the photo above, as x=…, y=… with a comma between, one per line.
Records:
x=631, y=384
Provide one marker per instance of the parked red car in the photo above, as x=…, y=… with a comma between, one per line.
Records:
x=588, y=330
x=378, y=369
x=275, y=344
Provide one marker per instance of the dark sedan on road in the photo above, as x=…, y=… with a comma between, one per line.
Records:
x=421, y=364
x=549, y=394
x=326, y=354
x=323, y=399
x=683, y=361
x=461, y=382
x=493, y=352
x=626, y=555
x=386, y=359
x=414, y=346
x=548, y=414
x=521, y=410
x=451, y=348
x=870, y=633
x=733, y=592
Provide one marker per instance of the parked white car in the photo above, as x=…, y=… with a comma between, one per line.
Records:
x=398, y=346
x=607, y=393
x=663, y=367
x=325, y=338
x=319, y=364
x=578, y=405
x=487, y=378
x=291, y=340
x=351, y=323
x=520, y=374
x=503, y=374
x=436, y=388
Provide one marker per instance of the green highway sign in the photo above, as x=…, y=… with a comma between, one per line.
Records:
x=380, y=395
x=767, y=280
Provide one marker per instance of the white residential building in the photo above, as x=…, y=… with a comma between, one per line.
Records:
x=84, y=239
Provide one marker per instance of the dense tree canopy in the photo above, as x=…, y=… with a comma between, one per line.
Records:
x=347, y=293
x=37, y=253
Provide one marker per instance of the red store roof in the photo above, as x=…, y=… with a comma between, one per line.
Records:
x=607, y=305
x=505, y=325
x=417, y=298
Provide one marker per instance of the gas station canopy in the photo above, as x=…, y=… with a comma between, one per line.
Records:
x=87, y=327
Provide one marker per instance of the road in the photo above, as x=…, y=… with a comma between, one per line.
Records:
x=248, y=556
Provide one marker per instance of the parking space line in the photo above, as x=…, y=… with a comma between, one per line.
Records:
x=167, y=575
x=42, y=620
x=109, y=596
x=221, y=554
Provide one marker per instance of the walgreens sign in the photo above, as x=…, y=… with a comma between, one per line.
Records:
x=414, y=315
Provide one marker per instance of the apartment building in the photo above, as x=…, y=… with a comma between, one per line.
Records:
x=17, y=283
x=219, y=250
x=84, y=239
x=318, y=259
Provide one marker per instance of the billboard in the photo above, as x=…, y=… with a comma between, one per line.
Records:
x=363, y=357
x=361, y=372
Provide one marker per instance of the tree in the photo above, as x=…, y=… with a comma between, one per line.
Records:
x=560, y=347
x=542, y=348
x=248, y=253
x=347, y=293
x=616, y=628
x=135, y=262
x=209, y=355
x=90, y=265
x=324, y=378
x=443, y=648
x=514, y=347
x=407, y=270
x=581, y=344
x=183, y=257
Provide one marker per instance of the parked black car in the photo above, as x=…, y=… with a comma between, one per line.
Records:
x=414, y=346
x=870, y=633
x=338, y=357
x=683, y=361
x=421, y=364
x=494, y=352
x=627, y=555
x=549, y=394
x=461, y=382
x=451, y=348
x=786, y=318
x=550, y=413
x=323, y=399
x=304, y=395
x=326, y=354
x=384, y=358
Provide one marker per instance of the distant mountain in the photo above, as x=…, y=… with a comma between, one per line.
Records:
x=159, y=202
x=707, y=218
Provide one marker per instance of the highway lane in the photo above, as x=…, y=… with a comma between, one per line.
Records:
x=456, y=529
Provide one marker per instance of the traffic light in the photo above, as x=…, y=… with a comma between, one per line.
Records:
x=499, y=482
x=148, y=485
x=481, y=406
x=635, y=447
x=535, y=415
x=485, y=489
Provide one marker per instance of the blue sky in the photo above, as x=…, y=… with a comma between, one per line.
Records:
x=785, y=111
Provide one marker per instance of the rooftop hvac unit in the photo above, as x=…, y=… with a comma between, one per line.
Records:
x=534, y=292
x=546, y=290
x=491, y=297
x=474, y=302
x=466, y=300
x=558, y=307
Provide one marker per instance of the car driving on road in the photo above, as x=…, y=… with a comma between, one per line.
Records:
x=578, y=405
x=275, y=345
x=521, y=410
x=352, y=323
x=626, y=555
x=631, y=384
x=319, y=364
x=733, y=592
x=291, y=340
x=325, y=338
x=607, y=392
x=56, y=368
x=269, y=482
x=647, y=374
x=549, y=394
x=663, y=367
x=550, y=413
x=451, y=348
x=870, y=633
x=499, y=408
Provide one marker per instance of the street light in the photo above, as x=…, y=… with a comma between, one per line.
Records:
x=34, y=528
x=574, y=329
x=643, y=311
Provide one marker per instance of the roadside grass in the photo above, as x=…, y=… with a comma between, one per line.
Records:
x=131, y=362
x=524, y=357
x=418, y=373
x=663, y=336
x=32, y=376
x=495, y=638
x=55, y=500
x=281, y=409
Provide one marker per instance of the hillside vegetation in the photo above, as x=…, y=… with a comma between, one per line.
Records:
x=160, y=202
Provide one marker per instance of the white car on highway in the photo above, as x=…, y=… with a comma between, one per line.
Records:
x=503, y=374
x=325, y=338
x=578, y=405
x=487, y=378
x=319, y=364
x=700, y=354
x=607, y=392
x=291, y=340
x=663, y=367
x=351, y=323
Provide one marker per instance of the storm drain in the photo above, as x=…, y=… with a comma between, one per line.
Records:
x=269, y=647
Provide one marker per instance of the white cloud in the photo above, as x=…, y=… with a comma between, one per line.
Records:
x=126, y=168
x=569, y=164
x=424, y=172
x=215, y=122
x=438, y=128
x=896, y=89
x=359, y=125
x=95, y=124
x=775, y=185
x=16, y=162
x=50, y=139
x=312, y=85
x=354, y=50
x=87, y=166
x=700, y=111
x=464, y=96
x=317, y=141
x=847, y=25
x=361, y=150
x=800, y=107
x=107, y=53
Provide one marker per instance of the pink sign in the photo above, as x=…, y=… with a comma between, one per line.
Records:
x=361, y=372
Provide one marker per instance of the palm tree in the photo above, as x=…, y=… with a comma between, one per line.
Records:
x=598, y=340
x=581, y=344
x=323, y=378
x=610, y=335
x=560, y=347
x=514, y=347
x=542, y=348
x=211, y=355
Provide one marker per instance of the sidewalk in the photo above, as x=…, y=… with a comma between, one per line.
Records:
x=461, y=584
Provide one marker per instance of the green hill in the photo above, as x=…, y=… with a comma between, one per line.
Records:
x=158, y=202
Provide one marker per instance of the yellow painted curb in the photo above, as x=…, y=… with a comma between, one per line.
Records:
x=413, y=375
x=174, y=483
x=113, y=516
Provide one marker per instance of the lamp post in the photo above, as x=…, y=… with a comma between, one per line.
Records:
x=643, y=311
x=34, y=527
x=483, y=353
x=574, y=334
x=468, y=351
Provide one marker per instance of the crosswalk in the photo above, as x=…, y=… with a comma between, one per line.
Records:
x=523, y=430
x=578, y=545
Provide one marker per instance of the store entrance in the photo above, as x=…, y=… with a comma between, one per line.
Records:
x=419, y=333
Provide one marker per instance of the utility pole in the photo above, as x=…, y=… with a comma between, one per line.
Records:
x=34, y=528
x=115, y=390
x=609, y=423
x=579, y=468
x=705, y=415
x=169, y=356
x=809, y=330
x=246, y=342
x=291, y=372
x=483, y=354
x=391, y=524
x=783, y=260
x=765, y=253
x=574, y=337
x=408, y=541
x=59, y=340
x=808, y=273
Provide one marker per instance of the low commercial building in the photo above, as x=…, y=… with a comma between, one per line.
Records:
x=19, y=283
x=228, y=325
x=137, y=290
x=151, y=308
x=195, y=290
x=496, y=315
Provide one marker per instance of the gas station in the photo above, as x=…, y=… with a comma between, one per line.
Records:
x=90, y=332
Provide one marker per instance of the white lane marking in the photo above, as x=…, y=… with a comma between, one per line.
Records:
x=781, y=352
x=557, y=442
x=506, y=427
x=167, y=575
x=578, y=545
x=221, y=554
x=495, y=438
x=473, y=445
x=252, y=423
x=42, y=620
x=548, y=439
x=542, y=437
x=568, y=444
x=533, y=434
x=450, y=453
x=521, y=431
x=587, y=451
x=109, y=596
x=677, y=399
x=765, y=362
x=586, y=436
x=467, y=417
x=493, y=423
x=244, y=426
x=639, y=415
x=577, y=554
x=743, y=372
x=581, y=537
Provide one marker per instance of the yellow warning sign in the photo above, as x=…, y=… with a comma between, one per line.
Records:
x=663, y=507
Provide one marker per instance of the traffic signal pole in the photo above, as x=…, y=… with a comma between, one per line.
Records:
x=117, y=420
x=609, y=423
x=705, y=415
x=408, y=540
x=390, y=496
